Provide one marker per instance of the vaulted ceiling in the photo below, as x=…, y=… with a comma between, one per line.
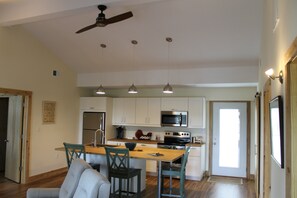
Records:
x=207, y=34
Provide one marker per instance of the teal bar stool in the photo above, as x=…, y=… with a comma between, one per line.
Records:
x=74, y=151
x=173, y=171
x=118, y=163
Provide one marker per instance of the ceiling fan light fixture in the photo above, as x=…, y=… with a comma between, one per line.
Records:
x=167, y=89
x=100, y=90
x=101, y=21
x=132, y=89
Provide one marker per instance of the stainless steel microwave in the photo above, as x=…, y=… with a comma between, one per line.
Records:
x=174, y=118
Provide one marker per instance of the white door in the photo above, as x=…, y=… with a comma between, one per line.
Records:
x=14, y=132
x=229, y=139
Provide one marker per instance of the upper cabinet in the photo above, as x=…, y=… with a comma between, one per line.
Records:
x=123, y=111
x=174, y=104
x=93, y=103
x=196, y=113
x=148, y=111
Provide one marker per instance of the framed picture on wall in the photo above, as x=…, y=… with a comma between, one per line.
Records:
x=48, y=112
x=277, y=130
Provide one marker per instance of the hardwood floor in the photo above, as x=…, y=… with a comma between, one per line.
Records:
x=194, y=189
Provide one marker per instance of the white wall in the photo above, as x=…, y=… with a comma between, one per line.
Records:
x=26, y=65
x=245, y=75
x=274, y=46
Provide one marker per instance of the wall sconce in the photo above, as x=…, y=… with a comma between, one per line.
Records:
x=270, y=74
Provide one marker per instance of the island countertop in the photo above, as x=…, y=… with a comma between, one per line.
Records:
x=167, y=155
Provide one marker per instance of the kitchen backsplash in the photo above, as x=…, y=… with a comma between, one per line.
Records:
x=130, y=132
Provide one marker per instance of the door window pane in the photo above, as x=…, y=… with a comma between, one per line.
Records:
x=229, y=138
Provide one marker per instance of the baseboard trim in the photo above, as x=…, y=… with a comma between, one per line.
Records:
x=47, y=174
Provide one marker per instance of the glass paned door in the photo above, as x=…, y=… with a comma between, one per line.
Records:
x=229, y=139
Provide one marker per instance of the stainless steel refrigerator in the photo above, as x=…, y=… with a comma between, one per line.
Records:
x=93, y=127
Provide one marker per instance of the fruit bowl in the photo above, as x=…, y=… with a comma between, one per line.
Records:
x=130, y=145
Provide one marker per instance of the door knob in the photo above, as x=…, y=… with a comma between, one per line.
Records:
x=214, y=143
x=6, y=141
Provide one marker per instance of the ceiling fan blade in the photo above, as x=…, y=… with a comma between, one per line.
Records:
x=86, y=28
x=119, y=17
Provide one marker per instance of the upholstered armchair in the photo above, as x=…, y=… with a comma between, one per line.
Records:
x=81, y=181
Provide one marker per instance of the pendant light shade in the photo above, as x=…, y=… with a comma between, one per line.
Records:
x=167, y=89
x=132, y=89
x=100, y=90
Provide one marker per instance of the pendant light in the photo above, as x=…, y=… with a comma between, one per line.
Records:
x=100, y=89
x=132, y=89
x=168, y=89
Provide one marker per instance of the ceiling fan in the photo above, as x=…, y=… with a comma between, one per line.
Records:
x=101, y=21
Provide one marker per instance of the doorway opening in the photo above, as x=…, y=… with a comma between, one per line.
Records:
x=229, y=142
x=3, y=133
x=15, y=106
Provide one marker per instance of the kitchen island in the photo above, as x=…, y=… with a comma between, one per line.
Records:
x=138, y=158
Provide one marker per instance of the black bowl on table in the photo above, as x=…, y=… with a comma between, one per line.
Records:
x=130, y=145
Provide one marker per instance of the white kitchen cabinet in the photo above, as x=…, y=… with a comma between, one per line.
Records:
x=148, y=111
x=123, y=111
x=196, y=112
x=93, y=103
x=196, y=163
x=174, y=104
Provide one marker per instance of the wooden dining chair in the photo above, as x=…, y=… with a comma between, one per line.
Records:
x=173, y=171
x=74, y=151
x=118, y=163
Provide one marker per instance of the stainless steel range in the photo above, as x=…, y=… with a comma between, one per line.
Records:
x=175, y=140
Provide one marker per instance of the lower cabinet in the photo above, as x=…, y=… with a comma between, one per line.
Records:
x=196, y=163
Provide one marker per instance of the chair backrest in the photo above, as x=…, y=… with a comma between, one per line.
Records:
x=92, y=185
x=74, y=151
x=117, y=159
x=78, y=166
x=185, y=158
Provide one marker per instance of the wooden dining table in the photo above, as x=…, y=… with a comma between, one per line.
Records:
x=158, y=154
